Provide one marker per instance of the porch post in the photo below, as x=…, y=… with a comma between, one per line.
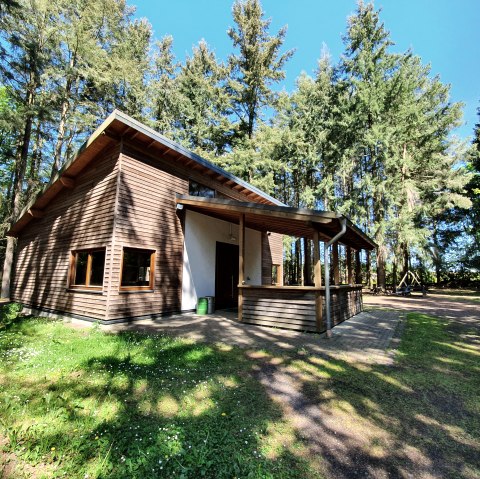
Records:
x=336, y=270
x=358, y=268
x=349, y=266
x=318, y=282
x=241, y=264
x=369, y=272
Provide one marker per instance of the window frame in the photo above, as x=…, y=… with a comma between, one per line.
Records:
x=73, y=270
x=151, y=283
x=201, y=185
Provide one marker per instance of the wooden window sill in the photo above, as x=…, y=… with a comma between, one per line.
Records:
x=84, y=290
x=123, y=291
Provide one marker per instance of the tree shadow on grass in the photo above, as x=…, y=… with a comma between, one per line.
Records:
x=419, y=418
x=150, y=406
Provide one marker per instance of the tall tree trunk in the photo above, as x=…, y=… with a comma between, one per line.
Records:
x=369, y=270
x=298, y=262
x=394, y=274
x=406, y=260
x=436, y=256
x=21, y=166
x=381, y=261
x=57, y=155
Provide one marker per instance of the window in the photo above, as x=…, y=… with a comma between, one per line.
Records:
x=197, y=189
x=275, y=273
x=137, y=269
x=86, y=269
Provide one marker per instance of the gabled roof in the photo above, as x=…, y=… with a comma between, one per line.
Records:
x=300, y=222
x=117, y=127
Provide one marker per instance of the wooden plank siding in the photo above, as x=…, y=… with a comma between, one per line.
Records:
x=272, y=253
x=79, y=218
x=146, y=217
x=125, y=198
x=294, y=308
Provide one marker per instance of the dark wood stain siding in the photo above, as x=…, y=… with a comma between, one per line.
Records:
x=78, y=218
x=282, y=308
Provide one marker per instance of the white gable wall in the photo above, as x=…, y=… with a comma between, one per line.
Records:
x=201, y=235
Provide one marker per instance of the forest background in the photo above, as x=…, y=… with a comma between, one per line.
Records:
x=369, y=136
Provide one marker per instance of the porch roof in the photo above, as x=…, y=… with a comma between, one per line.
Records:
x=300, y=222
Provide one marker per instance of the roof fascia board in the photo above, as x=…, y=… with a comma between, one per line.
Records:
x=99, y=131
x=310, y=215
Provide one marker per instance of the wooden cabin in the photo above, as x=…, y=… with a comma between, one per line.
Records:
x=136, y=226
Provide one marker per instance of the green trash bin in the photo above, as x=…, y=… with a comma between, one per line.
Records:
x=202, y=306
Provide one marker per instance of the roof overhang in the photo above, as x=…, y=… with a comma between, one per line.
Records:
x=119, y=127
x=299, y=222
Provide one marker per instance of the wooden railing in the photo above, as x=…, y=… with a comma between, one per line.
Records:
x=294, y=307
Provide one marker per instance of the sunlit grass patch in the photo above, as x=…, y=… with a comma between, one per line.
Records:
x=421, y=413
x=76, y=403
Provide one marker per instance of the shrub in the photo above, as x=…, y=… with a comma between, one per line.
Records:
x=9, y=313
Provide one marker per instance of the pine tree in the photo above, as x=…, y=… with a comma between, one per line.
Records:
x=163, y=89
x=367, y=69
x=102, y=64
x=203, y=124
x=30, y=35
x=430, y=183
x=65, y=65
x=471, y=256
x=256, y=67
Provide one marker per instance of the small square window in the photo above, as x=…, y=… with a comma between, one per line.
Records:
x=87, y=268
x=138, y=267
x=197, y=189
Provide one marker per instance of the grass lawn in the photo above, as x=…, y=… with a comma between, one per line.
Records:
x=84, y=404
x=419, y=418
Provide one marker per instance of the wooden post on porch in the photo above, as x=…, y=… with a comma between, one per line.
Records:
x=358, y=268
x=369, y=272
x=241, y=264
x=317, y=271
x=349, y=266
x=336, y=269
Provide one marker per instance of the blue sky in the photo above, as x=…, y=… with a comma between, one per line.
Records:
x=444, y=33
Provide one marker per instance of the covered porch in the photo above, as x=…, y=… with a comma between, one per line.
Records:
x=314, y=308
